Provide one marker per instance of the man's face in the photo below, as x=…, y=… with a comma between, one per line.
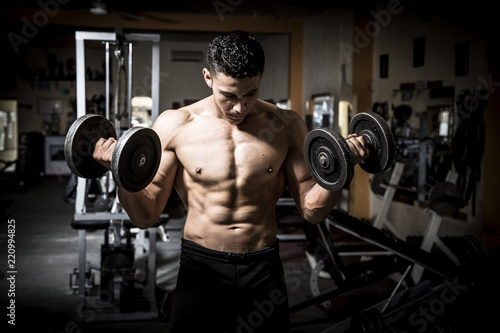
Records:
x=235, y=98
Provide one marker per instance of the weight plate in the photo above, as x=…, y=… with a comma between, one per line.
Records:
x=471, y=252
x=445, y=198
x=380, y=140
x=474, y=260
x=136, y=158
x=328, y=158
x=80, y=142
x=379, y=182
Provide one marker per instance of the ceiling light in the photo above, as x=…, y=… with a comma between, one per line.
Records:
x=99, y=8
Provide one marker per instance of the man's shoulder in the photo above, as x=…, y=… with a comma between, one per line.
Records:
x=275, y=113
x=177, y=117
x=181, y=114
x=171, y=120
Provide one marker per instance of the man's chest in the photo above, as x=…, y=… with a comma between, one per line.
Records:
x=224, y=154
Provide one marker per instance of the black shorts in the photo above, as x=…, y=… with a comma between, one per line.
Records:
x=230, y=292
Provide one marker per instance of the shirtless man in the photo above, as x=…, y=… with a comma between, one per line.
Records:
x=230, y=157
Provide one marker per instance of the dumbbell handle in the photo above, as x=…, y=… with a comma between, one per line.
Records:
x=93, y=143
x=370, y=140
x=326, y=161
x=140, y=161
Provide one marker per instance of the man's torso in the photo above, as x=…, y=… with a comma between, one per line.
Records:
x=231, y=176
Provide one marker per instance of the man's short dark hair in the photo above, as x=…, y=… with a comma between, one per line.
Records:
x=236, y=54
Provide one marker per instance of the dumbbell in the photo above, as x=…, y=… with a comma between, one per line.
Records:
x=135, y=159
x=329, y=158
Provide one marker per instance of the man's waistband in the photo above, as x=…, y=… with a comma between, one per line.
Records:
x=266, y=252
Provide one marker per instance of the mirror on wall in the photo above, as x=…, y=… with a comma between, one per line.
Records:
x=422, y=122
x=320, y=111
x=424, y=113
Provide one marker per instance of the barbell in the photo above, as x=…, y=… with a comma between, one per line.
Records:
x=135, y=159
x=329, y=158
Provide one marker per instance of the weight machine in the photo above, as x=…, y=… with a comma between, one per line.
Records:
x=474, y=280
x=473, y=261
x=407, y=260
x=443, y=200
x=122, y=301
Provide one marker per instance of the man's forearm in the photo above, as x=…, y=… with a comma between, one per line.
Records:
x=141, y=207
x=318, y=203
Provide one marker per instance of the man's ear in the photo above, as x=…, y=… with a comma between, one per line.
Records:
x=208, y=77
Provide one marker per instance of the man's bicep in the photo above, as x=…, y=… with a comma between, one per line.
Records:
x=163, y=182
x=166, y=125
x=299, y=180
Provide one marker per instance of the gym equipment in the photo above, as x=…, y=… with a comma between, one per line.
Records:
x=379, y=138
x=89, y=278
x=443, y=197
x=472, y=257
x=117, y=269
x=382, y=316
x=438, y=306
x=80, y=142
x=466, y=259
x=381, y=220
x=443, y=200
x=121, y=306
x=371, y=234
x=473, y=264
x=135, y=159
x=325, y=257
x=370, y=320
x=380, y=182
x=328, y=156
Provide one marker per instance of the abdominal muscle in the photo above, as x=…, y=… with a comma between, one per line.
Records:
x=230, y=222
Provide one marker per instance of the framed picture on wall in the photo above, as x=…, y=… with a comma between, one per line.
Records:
x=384, y=66
x=462, y=59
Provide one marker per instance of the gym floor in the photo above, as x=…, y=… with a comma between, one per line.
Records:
x=46, y=253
